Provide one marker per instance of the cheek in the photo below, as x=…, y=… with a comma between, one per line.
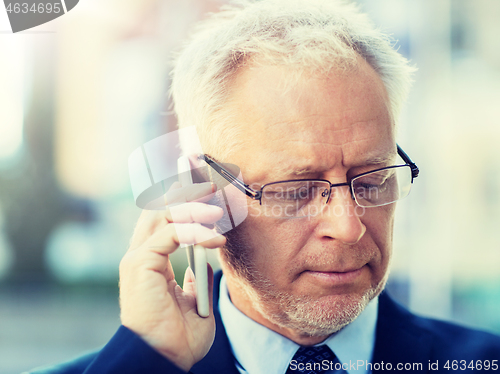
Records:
x=277, y=243
x=379, y=223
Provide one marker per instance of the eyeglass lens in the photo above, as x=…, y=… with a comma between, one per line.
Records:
x=307, y=198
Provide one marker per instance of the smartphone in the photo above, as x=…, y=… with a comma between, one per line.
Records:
x=196, y=254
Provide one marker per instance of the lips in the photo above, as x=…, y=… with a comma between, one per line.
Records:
x=335, y=277
x=325, y=270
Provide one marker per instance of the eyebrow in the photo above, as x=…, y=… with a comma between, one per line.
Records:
x=286, y=171
x=384, y=159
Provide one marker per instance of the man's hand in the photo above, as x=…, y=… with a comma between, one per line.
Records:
x=152, y=304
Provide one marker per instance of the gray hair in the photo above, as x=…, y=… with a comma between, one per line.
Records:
x=310, y=35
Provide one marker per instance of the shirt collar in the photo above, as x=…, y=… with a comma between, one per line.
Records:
x=258, y=349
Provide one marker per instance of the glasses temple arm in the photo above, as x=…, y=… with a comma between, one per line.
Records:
x=407, y=159
x=231, y=178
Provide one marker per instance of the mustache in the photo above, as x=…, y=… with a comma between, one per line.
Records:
x=334, y=256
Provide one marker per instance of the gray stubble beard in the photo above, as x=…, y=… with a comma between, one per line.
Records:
x=302, y=314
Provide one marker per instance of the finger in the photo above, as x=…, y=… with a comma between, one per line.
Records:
x=160, y=202
x=176, y=185
x=165, y=238
x=186, y=296
x=183, y=213
x=189, y=284
x=194, y=233
x=168, y=239
x=147, y=224
x=152, y=221
x=194, y=212
x=153, y=254
x=201, y=192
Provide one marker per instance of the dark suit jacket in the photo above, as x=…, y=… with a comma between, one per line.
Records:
x=401, y=338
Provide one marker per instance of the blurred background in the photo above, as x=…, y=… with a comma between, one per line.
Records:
x=79, y=94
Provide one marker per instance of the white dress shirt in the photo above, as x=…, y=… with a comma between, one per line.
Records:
x=258, y=349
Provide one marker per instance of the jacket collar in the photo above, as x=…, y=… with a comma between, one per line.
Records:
x=220, y=358
x=399, y=338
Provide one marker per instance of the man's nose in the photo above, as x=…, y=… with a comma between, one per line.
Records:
x=342, y=217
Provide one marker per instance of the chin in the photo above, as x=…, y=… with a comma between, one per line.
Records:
x=309, y=316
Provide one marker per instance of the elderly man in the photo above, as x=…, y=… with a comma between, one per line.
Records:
x=303, y=96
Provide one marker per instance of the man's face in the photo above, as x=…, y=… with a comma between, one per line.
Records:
x=310, y=276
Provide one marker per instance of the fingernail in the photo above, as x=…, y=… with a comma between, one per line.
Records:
x=214, y=208
x=214, y=186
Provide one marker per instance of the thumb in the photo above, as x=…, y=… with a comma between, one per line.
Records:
x=189, y=285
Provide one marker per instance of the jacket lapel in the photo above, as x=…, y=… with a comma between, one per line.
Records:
x=399, y=340
x=220, y=358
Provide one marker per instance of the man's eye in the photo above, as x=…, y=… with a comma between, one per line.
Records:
x=373, y=187
x=371, y=184
x=300, y=194
x=366, y=189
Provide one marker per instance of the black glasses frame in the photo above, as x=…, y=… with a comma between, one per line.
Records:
x=257, y=194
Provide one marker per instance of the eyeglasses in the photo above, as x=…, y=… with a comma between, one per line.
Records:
x=306, y=197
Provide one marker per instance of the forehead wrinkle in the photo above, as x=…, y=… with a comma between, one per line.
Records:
x=335, y=119
x=381, y=155
x=297, y=166
x=386, y=158
x=339, y=138
x=373, y=157
x=313, y=147
x=327, y=143
x=339, y=122
x=340, y=128
x=284, y=170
